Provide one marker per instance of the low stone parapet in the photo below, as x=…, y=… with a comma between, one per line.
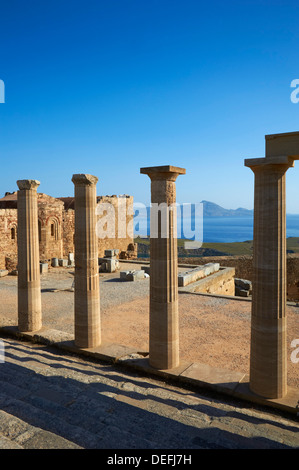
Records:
x=198, y=273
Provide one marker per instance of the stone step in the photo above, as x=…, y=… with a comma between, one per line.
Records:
x=50, y=400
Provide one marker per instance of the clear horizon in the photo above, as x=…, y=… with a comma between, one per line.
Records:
x=109, y=87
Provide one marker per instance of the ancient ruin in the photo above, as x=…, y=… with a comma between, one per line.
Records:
x=87, y=288
x=268, y=361
x=268, y=357
x=56, y=228
x=29, y=293
x=164, y=315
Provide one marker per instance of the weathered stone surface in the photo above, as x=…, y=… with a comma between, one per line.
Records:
x=134, y=275
x=44, y=267
x=29, y=294
x=164, y=320
x=239, y=292
x=268, y=357
x=197, y=273
x=63, y=402
x=3, y=272
x=87, y=292
x=243, y=284
x=63, y=262
x=56, y=228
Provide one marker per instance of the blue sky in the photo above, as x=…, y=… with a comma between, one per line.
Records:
x=107, y=87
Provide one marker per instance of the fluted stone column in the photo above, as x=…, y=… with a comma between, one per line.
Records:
x=87, y=290
x=29, y=293
x=164, y=320
x=268, y=356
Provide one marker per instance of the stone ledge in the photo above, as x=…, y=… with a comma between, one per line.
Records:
x=234, y=384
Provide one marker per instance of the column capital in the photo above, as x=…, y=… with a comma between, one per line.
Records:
x=165, y=172
x=28, y=184
x=269, y=162
x=83, y=179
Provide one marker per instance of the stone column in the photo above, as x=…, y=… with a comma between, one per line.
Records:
x=29, y=293
x=268, y=356
x=87, y=289
x=164, y=320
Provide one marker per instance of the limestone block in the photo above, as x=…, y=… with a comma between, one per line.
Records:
x=43, y=268
x=198, y=273
x=123, y=275
x=243, y=284
x=239, y=292
x=110, y=253
x=63, y=262
x=112, y=265
x=146, y=269
x=132, y=275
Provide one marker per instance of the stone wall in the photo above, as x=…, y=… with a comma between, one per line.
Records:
x=8, y=235
x=221, y=282
x=56, y=227
x=50, y=216
x=116, y=234
x=244, y=269
x=68, y=221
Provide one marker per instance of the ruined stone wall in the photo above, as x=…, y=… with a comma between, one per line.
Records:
x=112, y=229
x=50, y=217
x=68, y=231
x=244, y=269
x=117, y=235
x=56, y=229
x=8, y=236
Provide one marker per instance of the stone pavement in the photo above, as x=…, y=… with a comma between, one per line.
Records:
x=51, y=400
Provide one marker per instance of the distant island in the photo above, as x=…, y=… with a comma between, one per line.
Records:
x=210, y=209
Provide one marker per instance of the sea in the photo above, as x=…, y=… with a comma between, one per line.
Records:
x=228, y=229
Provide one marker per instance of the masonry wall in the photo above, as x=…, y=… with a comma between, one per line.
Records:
x=114, y=235
x=56, y=228
x=50, y=217
x=68, y=230
x=244, y=269
x=8, y=235
x=114, y=219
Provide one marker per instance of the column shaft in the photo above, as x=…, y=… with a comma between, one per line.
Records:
x=29, y=293
x=164, y=317
x=268, y=357
x=87, y=291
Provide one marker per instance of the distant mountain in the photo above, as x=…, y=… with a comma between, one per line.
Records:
x=213, y=210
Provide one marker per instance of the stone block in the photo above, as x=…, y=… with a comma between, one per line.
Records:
x=243, y=284
x=132, y=275
x=54, y=262
x=123, y=275
x=63, y=262
x=111, y=265
x=103, y=267
x=110, y=253
x=3, y=272
x=239, y=292
x=146, y=269
x=198, y=273
x=135, y=275
x=43, y=268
